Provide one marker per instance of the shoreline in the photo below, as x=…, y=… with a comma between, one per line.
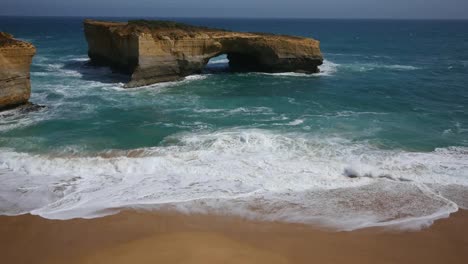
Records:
x=161, y=237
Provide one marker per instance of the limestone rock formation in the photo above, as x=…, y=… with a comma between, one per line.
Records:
x=159, y=51
x=15, y=61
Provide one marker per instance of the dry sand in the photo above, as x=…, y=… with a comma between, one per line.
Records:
x=145, y=237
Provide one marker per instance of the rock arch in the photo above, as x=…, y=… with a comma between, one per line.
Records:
x=158, y=51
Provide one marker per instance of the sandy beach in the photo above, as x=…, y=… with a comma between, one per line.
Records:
x=149, y=237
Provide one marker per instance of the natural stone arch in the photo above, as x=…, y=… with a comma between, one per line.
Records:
x=158, y=51
x=247, y=56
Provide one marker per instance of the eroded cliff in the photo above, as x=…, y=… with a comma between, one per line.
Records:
x=15, y=61
x=159, y=51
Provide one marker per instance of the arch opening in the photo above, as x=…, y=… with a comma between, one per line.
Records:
x=234, y=62
x=217, y=64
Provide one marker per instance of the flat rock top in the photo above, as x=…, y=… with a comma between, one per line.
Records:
x=7, y=41
x=159, y=28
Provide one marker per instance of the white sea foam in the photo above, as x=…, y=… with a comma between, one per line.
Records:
x=251, y=173
x=237, y=111
x=80, y=59
x=288, y=74
x=56, y=69
x=18, y=117
x=210, y=110
x=219, y=61
x=402, y=67
x=328, y=68
x=251, y=110
x=353, y=113
x=16, y=121
x=196, y=77
x=296, y=122
x=187, y=79
x=364, y=67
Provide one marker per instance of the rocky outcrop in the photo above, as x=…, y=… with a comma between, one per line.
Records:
x=159, y=51
x=15, y=61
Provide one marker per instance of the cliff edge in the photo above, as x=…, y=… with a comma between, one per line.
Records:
x=15, y=61
x=158, y=51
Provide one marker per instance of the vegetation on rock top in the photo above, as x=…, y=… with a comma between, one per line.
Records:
x=163, y=24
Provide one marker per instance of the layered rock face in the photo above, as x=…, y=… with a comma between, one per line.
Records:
x=159, y=51
x=15, y=61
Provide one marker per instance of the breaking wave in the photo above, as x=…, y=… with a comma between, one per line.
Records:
x=328, y=68
x=246, y=172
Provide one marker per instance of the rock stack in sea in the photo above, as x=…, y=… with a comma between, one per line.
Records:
x=15, y=61
x=159, y=51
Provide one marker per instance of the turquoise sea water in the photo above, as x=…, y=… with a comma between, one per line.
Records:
x=389, y=106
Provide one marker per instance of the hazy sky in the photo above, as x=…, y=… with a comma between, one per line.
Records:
x=241, y=8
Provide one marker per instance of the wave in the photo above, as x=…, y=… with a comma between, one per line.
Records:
x=161, y=86
x=401, y=67
x=219, y=61
x=246, y=172
x=15, y=121
x=80, y=59
x=364, y=67
x=239, y=111
x=353, y=113
x=55, y=69
x=296, y=122
x=328, y=68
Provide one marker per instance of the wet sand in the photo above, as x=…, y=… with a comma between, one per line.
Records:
x=146, y=237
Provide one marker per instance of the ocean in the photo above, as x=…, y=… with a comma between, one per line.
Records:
x=378, y=138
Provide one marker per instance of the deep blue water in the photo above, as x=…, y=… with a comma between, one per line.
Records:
x=391, y=99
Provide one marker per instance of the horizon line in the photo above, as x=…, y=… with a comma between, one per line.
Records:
x=234, y=17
